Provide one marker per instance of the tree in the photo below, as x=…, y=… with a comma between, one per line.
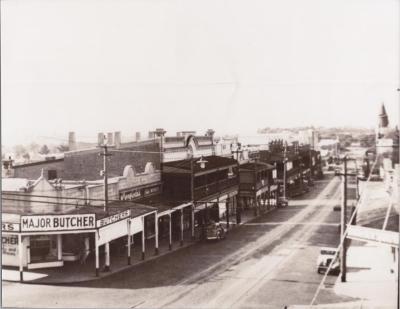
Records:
x=26, y=156
x=33, y=147
x=44, y=150
x=19, y=150
x=63, y=148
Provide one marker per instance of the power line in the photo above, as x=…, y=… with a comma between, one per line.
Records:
x=359, y=204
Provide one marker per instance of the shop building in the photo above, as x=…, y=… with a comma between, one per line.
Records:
x=289, y=167
x=210, y=182
x=257, y=188
x=53, y=222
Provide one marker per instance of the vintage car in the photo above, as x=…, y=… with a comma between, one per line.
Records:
x=326, y=257
x=214, y=231
x=282, y=202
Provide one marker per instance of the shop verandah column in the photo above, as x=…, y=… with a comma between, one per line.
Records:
x=156, y=231
x=181, y=242
x=21, y=260
x=170, y=231
x=96, y=245
x=192, y=220
x=143, y=239
x=107, y=251
x=129, y=241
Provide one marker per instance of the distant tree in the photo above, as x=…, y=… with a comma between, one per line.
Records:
x=44, y=150
x=62, y=148
x=19, y=150
x=26, y=156
x=33, y=147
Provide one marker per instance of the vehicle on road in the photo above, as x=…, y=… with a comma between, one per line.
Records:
x=282, y=202
x=326, y=257
x=214, y=231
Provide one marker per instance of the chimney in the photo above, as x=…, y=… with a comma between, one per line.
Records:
x=110, y=139
x=100, y=138
x=137, y=136
x=71, y=141
x=117, y=139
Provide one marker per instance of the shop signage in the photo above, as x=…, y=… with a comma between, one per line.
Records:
x=9, y=245
x=57, y=222
x=152, y=190
x=136, y=193
x=129, y=195
x=114, y=218
x=9, y=227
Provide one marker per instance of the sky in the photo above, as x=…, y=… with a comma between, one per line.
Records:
x=235, y=66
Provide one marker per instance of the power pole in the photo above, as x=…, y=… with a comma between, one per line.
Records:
x=104, y=173
x=343, y=221
x=284, y=170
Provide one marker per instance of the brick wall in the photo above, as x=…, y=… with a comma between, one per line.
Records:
x=87, y=164
x=34, y=170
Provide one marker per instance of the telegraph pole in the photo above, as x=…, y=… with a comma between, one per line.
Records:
x=104, y=173
x=284, y=170
x=343, y=221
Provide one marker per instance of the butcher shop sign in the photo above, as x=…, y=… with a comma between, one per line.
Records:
x=57, y=222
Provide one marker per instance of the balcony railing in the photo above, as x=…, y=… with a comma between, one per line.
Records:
x=214, y=187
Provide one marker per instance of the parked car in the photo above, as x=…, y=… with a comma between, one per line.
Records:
x=214, y=231
x=325, y=258
x=282, y=202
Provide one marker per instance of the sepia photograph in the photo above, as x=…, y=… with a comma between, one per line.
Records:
x=200, y=154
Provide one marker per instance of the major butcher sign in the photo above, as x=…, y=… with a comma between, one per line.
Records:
x=57, y=222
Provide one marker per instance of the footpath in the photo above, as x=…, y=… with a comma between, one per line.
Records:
x=372, y=268
x=74, y=272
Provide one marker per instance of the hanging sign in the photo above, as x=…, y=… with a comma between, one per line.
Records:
x=114, y=218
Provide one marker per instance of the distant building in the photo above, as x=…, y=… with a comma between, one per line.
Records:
x=86, y=163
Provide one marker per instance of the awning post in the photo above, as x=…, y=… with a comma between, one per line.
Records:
x=21, y=255
x=129, y=242
x=96, y=245
x=156, y=231
x=143, y=239
x=170, y=230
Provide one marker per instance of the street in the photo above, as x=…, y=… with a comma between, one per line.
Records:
x=269, y=262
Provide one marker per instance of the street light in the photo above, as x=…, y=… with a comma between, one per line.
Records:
x=202, y=162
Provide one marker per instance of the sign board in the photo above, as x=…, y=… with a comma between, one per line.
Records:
x=10, y=227
x=151, y=190
x=114, y=218
x=48, y=223
x=9, y=245
x=131, y=194
x=289, y=165
x=369, y=234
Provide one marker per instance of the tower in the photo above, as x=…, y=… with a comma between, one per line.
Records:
x=383, y=123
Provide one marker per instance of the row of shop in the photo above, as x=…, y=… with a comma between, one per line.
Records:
x=52, y=223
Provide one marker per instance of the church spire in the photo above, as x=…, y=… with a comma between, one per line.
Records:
x=383, y=117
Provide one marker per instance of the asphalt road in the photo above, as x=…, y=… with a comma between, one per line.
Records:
x=267, y=263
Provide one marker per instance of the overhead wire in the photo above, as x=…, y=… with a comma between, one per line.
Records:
x=346, y=230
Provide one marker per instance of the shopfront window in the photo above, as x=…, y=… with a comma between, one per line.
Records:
x=43, y=248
